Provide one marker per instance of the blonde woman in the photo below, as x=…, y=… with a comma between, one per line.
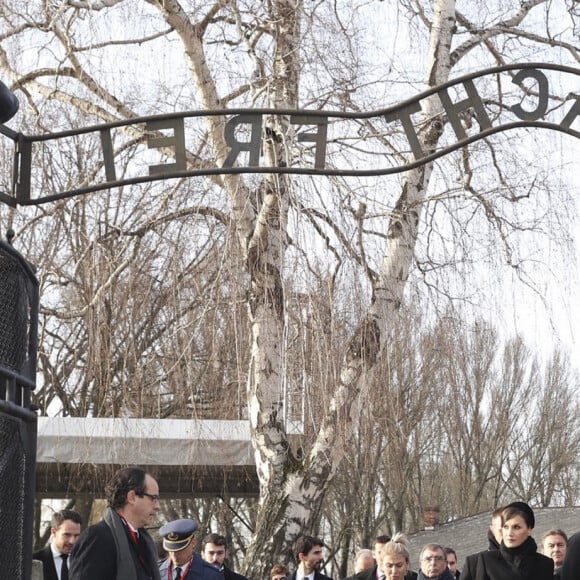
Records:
x=395, y=559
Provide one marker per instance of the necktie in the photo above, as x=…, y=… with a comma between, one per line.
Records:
x=177, y=573
x=64, y=567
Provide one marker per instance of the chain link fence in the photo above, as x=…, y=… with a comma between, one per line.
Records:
x=18, y=350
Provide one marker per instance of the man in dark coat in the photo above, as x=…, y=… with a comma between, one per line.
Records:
x=183, y=562
x=571, y=567
x=493, y=538
x=119, y=547
x=434, y=564
x=451, y=556
x=554, y=543
x=373, y=572
x=495, y=530
x=215, y=551
x=65, y=528
x=308, y=554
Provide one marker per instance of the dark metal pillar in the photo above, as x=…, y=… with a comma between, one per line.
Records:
x=19, y=301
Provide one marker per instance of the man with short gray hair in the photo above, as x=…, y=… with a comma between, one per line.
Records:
x=434, y=564
x=364, y=560
x=554, y=543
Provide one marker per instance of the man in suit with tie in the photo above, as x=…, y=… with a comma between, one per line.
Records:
x=65, y=529
x=214, y=551
x=119, y=547
x=183, y=562
x=308, y=554
x=373, y=572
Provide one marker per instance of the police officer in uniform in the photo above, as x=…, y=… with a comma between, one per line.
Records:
x=183, y=562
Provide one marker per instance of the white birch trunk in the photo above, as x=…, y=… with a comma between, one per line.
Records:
x=290, y=501
x=291, y=491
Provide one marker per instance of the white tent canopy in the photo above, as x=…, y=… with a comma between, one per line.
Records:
x=144, y=441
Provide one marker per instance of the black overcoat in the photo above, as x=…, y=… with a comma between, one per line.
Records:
x=505, y=564
x=48, y=568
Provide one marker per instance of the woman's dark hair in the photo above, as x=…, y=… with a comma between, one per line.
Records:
x=124, y=480
x=519, y=508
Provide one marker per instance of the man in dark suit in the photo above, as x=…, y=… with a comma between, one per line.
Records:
x=494, y=536
x=119, y=546
x=554, y=543
x=434, y=564
x=451, y=556
x=214, y=550
x=308, y=554
x=373, y=572
x=65, y=528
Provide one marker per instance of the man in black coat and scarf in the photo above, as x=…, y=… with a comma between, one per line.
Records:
x=119, y=547
x=214, y=551
x=493, y=538
x=434, y=564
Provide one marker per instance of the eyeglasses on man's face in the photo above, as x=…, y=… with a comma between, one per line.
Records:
x=433, y=559
x=151, y=496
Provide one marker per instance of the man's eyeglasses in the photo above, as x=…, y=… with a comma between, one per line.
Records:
x=433, y=558
x=151, y=496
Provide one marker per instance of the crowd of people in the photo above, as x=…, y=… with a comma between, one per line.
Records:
x=120, y=548
x=512, y=554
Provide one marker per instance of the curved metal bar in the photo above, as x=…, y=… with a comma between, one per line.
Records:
x=400, y=112
x=304, y=170
x=304, y=112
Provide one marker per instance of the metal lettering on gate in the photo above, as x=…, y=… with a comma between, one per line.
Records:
x=158, y=147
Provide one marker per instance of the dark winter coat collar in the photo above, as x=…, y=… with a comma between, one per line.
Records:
x=491, y=541
x=518, y=557
x=447, y=575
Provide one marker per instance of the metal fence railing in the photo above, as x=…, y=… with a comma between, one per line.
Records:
x=18, y=422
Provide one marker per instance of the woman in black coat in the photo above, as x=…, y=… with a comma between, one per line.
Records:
x=517, y=557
